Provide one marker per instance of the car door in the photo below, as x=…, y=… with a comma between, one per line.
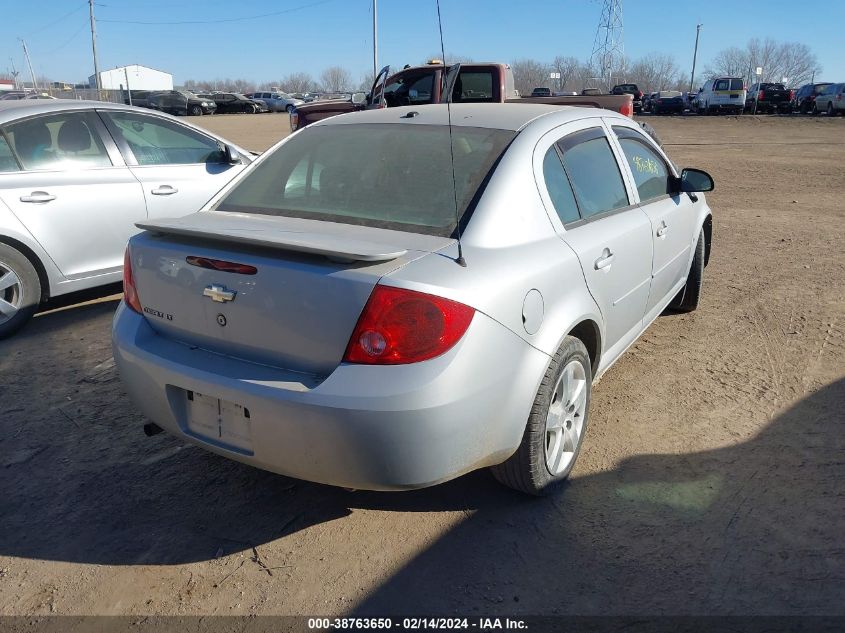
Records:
x=179, y=167
x=596, y=218
x=72, y=191
x=672, y=215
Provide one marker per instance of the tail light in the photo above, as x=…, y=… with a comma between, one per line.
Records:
x=294, y=120
x=401, y=326
x=791, y=95
x=130, y=292
x=640, y=94
x=627, y=108
x=761, y=95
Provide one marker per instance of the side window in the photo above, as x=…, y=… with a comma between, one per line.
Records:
x=722, y=84
x=420, y=90
x=156, y=141
x=61, y=141
x=473, y=87
x=593, y=172
x=650, y=171
x=560, y=191
x=7, y=159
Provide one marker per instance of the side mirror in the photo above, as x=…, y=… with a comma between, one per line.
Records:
x=695, y=180
x=231, y=156
x=359, y=98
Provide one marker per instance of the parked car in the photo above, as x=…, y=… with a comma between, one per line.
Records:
x=541, y=92
x=12, y=96
x=139, y=98
x=648, y=100
x=181, y=102
x=668, y=102
x=630, y=89
x=488, y=82
x=805, y=99
x=39, y=95
x=75, y=176
x=324, y=321
x=721, y=94
x=233, y=102
x=831, y=100
x=277, y=101
x=771, y=98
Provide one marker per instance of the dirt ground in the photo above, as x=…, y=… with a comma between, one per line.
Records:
x=711, y=480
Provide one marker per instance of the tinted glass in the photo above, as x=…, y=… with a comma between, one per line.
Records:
x=651, y=174
x=559, y=188
x=821, y=88
x=473, y=88
x=393, y=176
x=736, y=84
x=61, y=141
x=722, y=84
x=398, y=92
x=7, y=159
x=595, y=176
x=155, y=141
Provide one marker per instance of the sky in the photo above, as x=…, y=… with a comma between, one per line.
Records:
x=217, y=39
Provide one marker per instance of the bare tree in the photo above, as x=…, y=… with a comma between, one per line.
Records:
x=298, y=82
x=792, y=60
x=655, y=72
x=335, y=79
x=529, y=74
x=567, y=67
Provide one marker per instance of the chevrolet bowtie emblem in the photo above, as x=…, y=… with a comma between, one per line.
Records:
x=219, y=293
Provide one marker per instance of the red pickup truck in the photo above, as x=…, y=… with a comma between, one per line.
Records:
x=423, y=85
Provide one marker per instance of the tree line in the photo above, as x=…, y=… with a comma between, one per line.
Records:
x=652, y=72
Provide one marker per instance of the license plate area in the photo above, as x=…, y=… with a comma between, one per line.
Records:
x=219, y=422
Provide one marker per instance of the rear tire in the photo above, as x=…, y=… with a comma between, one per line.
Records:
x=556, y=425
x=196, y=110
x=20, y=290
x=830, y=110
x=688, y=298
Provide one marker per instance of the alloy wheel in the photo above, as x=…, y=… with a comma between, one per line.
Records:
x=11, y=293
x=565, y=419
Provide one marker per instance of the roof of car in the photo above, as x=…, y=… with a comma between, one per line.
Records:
x=11, y=110
x=503, y=116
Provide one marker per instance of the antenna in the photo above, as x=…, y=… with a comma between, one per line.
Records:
x=449, y=79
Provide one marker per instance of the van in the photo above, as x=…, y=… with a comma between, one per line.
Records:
x=721, y=94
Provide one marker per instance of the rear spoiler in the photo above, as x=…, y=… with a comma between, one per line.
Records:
x=337, y=242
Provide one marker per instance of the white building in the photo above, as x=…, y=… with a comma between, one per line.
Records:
x=138, y=77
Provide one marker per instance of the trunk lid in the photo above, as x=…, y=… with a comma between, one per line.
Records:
x=299, y=308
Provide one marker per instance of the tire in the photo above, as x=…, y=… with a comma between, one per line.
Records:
x=528, y=470
x=289, y=108
x=20, y=290
x=815, y=109
x=688, y=298
x=804, y=108
x=830, y=110
x=196, y=110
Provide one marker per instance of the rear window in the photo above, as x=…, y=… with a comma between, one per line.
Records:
x=395, y=176
x=736, y=84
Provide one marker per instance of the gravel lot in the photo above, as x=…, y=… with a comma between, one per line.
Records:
x=711, y=480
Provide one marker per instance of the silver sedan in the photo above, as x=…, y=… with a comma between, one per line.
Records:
x=75, y=177
x=386, y=300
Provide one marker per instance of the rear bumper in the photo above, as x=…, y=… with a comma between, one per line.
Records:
x=377, y=428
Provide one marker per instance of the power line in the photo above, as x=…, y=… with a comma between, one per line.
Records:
x=53, y=23
x=221, y=21
x=68, y=41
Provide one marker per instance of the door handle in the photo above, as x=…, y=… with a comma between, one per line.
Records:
x=38, y=196
x=605, y=260
x=662, y=230
x=164, y=190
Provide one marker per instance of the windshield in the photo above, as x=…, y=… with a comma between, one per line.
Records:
x=395, y=176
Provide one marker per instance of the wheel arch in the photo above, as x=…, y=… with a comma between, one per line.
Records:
x=26, y=251
x=589, y=333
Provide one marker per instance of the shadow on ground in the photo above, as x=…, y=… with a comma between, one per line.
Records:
x=755, y=527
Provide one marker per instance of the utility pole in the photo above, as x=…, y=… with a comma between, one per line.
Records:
x=15, y=72
x=375, y=39
x=29, y=63
x=94, y=47
x=694, y=57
